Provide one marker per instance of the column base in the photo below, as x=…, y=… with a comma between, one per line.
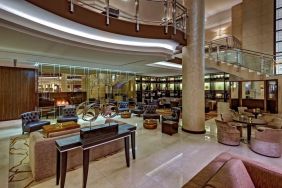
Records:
x=194, y=132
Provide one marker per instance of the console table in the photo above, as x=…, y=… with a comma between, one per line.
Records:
x=66, y=144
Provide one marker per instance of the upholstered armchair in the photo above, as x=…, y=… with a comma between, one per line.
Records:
x=69, y=114
x=273, y=121
x=139, y=109
x=227, y=133
x=150, y=112
x=267, y=142
x=31, y=122
x=242, y=110
x=123, y=106
x=174, y=116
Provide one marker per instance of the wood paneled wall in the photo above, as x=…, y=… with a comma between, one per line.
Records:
x=17, y=92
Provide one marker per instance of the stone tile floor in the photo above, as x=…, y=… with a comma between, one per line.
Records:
x=163, y=161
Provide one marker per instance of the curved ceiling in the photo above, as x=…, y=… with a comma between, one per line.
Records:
x=28, y=15
x=33, y=42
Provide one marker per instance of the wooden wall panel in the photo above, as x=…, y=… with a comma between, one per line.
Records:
x=17, y=92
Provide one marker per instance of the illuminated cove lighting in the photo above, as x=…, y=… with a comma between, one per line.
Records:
x=83, y=34
x=164, y=64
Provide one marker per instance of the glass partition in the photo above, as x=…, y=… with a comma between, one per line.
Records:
x=253, y=90
x=72, y=84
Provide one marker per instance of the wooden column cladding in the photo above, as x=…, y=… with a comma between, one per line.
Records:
x=17, y=92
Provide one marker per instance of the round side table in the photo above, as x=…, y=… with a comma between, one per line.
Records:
x=150, y=124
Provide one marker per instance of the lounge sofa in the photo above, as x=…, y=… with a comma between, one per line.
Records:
x=42, y=153
x=231, y=171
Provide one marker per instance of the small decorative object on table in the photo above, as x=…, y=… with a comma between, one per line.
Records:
x=150, y=124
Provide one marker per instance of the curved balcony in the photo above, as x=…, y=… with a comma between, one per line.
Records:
x=84, y=13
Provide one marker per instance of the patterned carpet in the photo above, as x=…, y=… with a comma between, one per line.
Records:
x=19, y=169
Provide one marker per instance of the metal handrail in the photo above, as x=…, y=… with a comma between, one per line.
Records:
x=216, y=48
x=179, y=14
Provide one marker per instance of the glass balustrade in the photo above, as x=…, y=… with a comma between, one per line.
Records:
x=255, y=61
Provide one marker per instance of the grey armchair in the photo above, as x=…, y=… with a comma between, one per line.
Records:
x=69, y=114
x=31, y=122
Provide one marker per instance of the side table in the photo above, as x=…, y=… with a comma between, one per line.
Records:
x=169, y=127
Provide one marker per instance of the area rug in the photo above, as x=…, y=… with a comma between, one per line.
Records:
x=19, y=170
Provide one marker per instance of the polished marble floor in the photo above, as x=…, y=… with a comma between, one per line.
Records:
x=162, y=161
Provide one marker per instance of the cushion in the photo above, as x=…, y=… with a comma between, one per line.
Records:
x=69, y=111
x=234, y=174
x=37, y=124
x=67, y=118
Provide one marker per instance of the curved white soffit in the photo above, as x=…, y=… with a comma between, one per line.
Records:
x=46, y=22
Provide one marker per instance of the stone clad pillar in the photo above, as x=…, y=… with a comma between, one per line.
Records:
x=193, y=68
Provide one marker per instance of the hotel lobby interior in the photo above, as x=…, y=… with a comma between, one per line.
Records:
x=141, y=93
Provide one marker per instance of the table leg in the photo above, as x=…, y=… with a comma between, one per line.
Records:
x=63, y=170
x=126, y=144
x=58, y=167
x=249, y=132
x=133, y=144
x=85, y=166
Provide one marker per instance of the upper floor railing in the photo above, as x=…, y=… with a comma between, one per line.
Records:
x=173, y=13
x=153, y=19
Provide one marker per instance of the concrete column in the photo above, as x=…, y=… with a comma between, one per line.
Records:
x=193, y=68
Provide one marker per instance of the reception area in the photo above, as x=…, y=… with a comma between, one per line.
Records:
x=141, y=94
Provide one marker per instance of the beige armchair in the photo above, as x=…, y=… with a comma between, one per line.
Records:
x=267, y=142
x=227, y=133
x=273, y=121
x=242, y=111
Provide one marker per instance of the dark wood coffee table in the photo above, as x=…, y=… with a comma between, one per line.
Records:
x=250, y=122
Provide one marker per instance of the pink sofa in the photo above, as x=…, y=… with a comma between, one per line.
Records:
x=231, y=171
x=42, y=153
